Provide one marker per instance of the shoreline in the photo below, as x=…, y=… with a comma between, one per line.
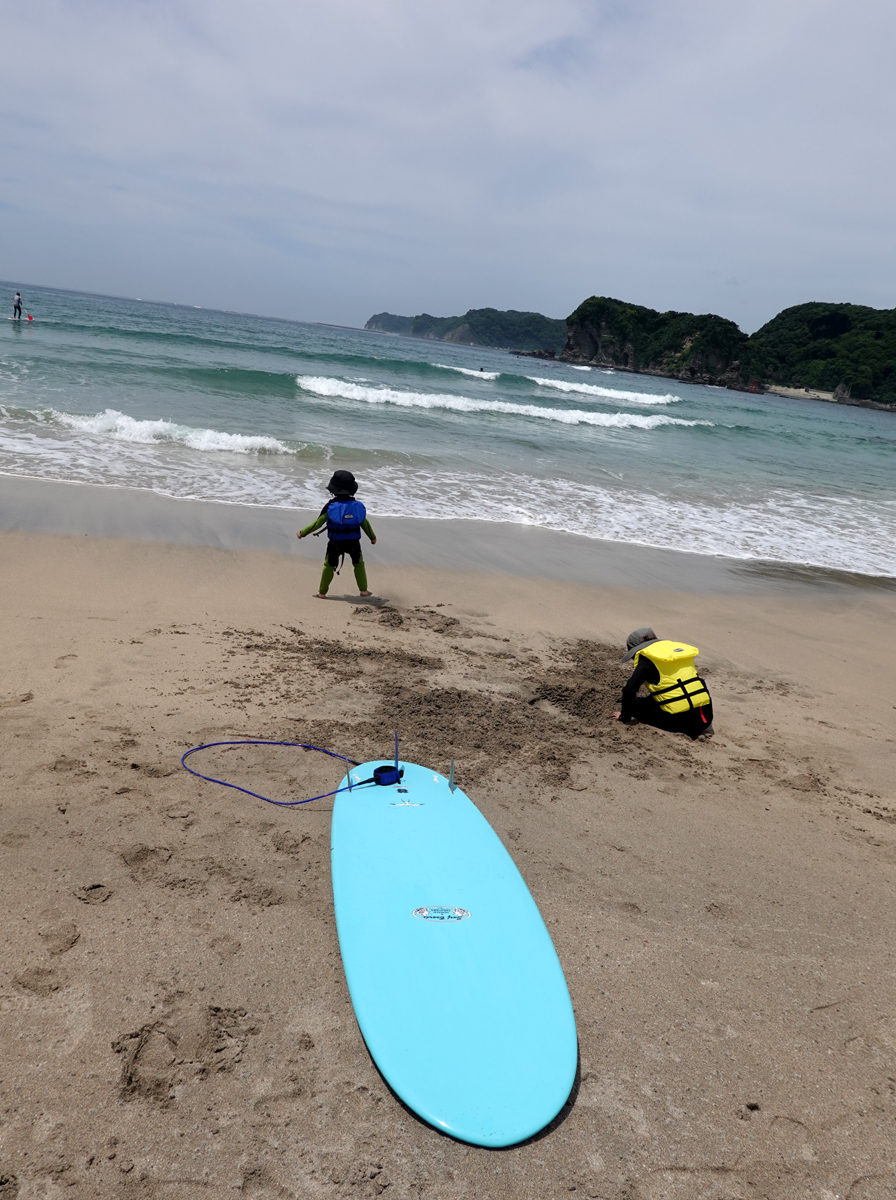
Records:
x=790, y=393
x=79, y=509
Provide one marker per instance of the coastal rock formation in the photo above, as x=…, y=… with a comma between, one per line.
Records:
x=462, y=335
x=845, y=349
x=389, y=323
x=700, y=349
x=549, y=354
x=842, y=393
x=848, y=350
x=501, y=330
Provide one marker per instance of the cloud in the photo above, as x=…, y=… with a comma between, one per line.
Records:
x=329, y=160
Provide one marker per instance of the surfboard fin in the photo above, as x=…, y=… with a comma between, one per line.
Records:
x=451, y=784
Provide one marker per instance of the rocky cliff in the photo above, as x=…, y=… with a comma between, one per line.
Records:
x=699, y=349
x=389, y=323
x=846, y=349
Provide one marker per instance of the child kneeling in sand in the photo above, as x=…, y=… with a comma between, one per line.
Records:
x=344, y=517
x=678, y=700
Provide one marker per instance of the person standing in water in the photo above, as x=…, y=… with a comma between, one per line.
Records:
x=17, y=307
x=344, y=517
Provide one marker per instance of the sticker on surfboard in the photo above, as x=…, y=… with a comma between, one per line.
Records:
x=440, y=912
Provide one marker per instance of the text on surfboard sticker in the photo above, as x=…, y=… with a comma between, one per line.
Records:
x=440, y=912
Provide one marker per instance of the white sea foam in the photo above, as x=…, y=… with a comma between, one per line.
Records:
x=847, y=534
x=573, y=367
x=783, y=525
x=593, y=389
x=127, y=429
x=327, y=386
x=468, y=371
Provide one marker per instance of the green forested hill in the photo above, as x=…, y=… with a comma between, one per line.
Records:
x=389, y=323
x=832, y=347
x=707, y=348
x=825, y=345
x=504, y=330
x=847, y=348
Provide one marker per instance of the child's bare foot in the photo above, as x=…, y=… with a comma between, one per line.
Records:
x=366, y=593
x=320, y=595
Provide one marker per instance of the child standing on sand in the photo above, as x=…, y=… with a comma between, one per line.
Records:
x=344, y=517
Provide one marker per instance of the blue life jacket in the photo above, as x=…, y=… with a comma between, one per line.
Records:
x=344, y=519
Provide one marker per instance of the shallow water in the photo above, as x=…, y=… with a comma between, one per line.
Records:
x=206, y=405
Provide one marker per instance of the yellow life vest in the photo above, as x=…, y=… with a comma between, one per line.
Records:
x=680, y=687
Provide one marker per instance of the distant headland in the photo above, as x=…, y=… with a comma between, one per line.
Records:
x=510, y=330
x=841, y=352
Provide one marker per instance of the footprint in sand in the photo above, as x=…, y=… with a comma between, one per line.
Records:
x=191, y=1044
x=145, y=860
x=59, y=936
x=40, y=981
x=93, y=893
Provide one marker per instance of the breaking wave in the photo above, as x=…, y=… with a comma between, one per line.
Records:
x=593, y=389
x=127, y=429
x=468, y=371
x=326, y=386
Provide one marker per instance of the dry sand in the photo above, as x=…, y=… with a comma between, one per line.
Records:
x=175, y=1021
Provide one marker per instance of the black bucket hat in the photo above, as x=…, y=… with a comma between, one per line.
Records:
x=637, y=640
x=342, y=483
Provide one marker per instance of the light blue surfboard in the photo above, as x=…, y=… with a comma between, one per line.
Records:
x=454, y=979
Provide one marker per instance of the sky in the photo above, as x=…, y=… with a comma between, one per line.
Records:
x=324, y=161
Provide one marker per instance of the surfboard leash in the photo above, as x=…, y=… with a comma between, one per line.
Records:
x=381, y=775
x=258, y=795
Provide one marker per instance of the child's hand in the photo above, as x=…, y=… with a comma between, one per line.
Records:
x=299, y=535
x=373, y=541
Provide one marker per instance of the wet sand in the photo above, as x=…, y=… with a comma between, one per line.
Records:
x=173, y=1014
x=43, y=506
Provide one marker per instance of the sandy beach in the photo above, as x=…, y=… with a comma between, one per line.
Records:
x=800, y=393
x=175, y=1019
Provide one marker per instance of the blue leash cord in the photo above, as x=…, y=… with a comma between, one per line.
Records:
x=257, y=795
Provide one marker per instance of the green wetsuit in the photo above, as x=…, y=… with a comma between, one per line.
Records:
x=351, y=548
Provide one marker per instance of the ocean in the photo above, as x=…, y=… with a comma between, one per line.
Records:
x=204, y=405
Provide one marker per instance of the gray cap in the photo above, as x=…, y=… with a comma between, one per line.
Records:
x=637, y=639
